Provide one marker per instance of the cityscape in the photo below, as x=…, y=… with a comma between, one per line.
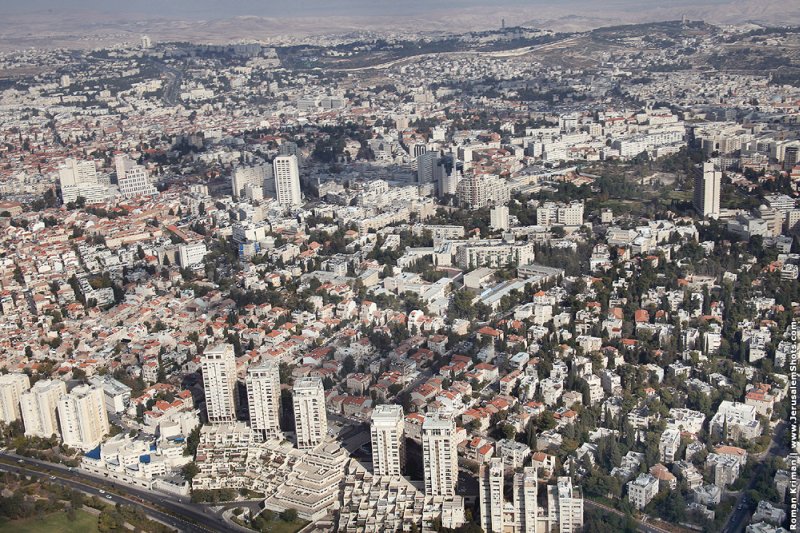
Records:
x=524, y=268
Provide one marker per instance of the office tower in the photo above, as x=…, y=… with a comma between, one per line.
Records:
x=310, y=418
x=448, y=184
x=219, y=379
x=132, y=179
x=707, y=186
x=790, y=157
x=439, y=454
x=526, y=507
x=565, y=505
x=287, y=180
x=83, y=418
x=79, y=179
x=253, y=175
x=11, y=388
x=39, y=406
x=146, y=43
x=498, y=217
x=388, y=440
x=490, y=491
x=264, y=398
x=428, y=168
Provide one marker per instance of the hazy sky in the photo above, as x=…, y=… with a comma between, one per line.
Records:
x=205, y=9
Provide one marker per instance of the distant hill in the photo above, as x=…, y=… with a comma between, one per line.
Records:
x=77, y=28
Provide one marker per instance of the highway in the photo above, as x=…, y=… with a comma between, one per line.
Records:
x=172, y=85
x=187, y=517
x=516, y=52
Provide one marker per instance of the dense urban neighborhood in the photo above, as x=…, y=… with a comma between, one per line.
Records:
x=511, y=281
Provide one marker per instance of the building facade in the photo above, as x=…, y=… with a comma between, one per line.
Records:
x=287, y=180
x=439, y=454
x=490, y=492
x=707, y=187
x=11, y=388
x=264, y=397
x=83, y=418
x=39, y=406
x=310, y=417
x=132, y=179
x=219, y=379
x=388, y=440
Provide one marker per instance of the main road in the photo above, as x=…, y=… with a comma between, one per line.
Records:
x=173, y=84
x=176, y=513
x=741, y=510
x=642, y=526
x=515, y=52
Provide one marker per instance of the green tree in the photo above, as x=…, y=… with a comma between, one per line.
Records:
x=190, y=470
x=289, y=515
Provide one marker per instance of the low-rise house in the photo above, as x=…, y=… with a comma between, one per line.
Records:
x=642, y=490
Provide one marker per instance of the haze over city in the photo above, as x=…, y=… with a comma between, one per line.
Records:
x=85, y=23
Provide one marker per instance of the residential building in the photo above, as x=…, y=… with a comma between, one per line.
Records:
x=116, y=395
x=11, y=388
x=39, y=406
x=707, y=187
x=310, y=417
x=498, y=217
x=513, y=453
x=388, y=440
x=218, y=366
x=439, y=454
x=724, y=468
x=78, y=179
x=83, y=418
x=494, y=253
x=191, y=254
x=132, y=179
x=263, y=398
x=642, y=490
x=490, y=492
x=477, y=191
x=526, y=507
x=738, y=419
x=565, y=506
x=287, y=180
x=669, y=444
x=260, y=175
x=551, y=213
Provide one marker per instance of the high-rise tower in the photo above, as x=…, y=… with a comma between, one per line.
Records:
x=439, y=454
x=310, y=418
x=264, y=397
x=388, y=441
x=707, y=185
x=219, y=379
x=287, y=180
